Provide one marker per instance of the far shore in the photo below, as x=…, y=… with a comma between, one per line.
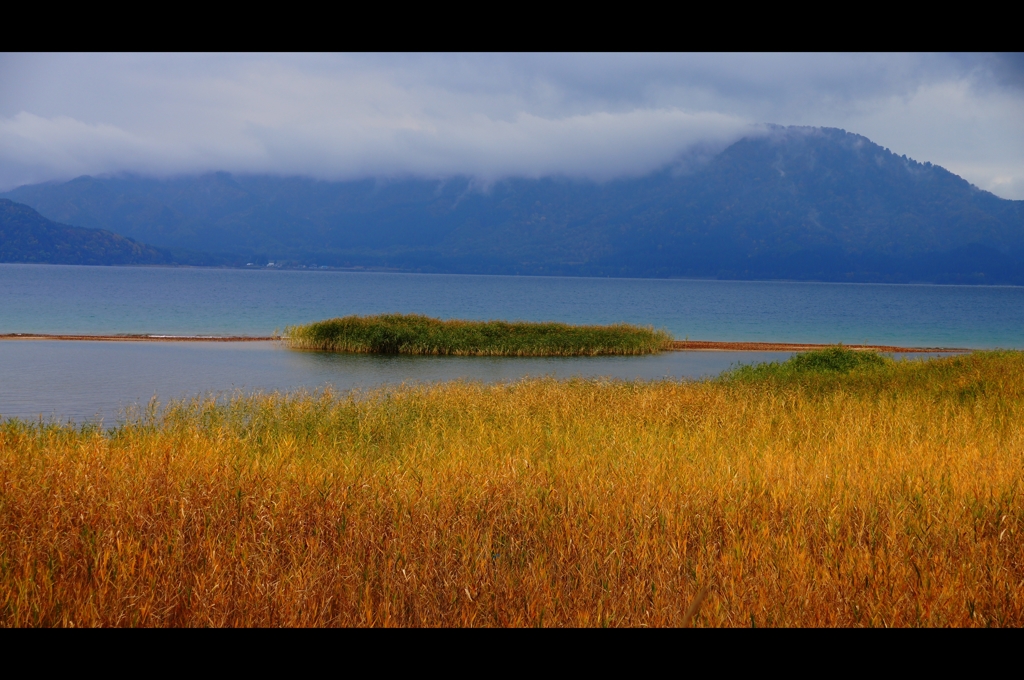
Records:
x=675, y=345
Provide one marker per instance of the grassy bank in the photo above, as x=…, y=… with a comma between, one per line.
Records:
x=822, y=492
x=414, y=334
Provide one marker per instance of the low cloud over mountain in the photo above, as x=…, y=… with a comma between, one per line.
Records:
x=793, y=203
x=489, y=117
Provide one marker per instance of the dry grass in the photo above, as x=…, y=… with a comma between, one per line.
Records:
x=887, y=497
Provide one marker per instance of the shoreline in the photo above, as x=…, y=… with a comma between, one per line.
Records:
x=137, y=337
x=674, y=346
x=715, y=346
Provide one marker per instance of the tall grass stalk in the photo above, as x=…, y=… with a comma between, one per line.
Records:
x=879, y=495
x=415, y=334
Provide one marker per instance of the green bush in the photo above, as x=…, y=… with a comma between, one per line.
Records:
x=836, y=359
x=830, y=361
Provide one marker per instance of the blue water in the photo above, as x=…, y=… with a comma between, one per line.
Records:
x=69, y=299
x=96, y=381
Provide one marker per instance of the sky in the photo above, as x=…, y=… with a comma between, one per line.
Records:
x=490, y=116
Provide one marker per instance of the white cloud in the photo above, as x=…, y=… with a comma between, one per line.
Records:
x=974, y=132
x=41, y=148
x=597, y=116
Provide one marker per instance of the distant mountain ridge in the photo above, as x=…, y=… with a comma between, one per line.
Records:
x=795, y=203
x=26, y=236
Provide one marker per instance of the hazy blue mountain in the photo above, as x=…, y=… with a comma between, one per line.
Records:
x=797, y=203
x=27, y=236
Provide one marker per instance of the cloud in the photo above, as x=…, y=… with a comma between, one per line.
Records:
x=971, y=131
x=62, y=145
x=1008, y=68
x=489, y=116
x=597, y=146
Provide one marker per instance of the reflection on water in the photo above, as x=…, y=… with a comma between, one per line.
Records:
x=97, y=380
x=198, y=301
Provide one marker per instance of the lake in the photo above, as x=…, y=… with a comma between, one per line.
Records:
x=77, y=299
x=94, y=380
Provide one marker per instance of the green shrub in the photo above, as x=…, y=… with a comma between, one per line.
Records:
x=836, y=359
x=830, y=361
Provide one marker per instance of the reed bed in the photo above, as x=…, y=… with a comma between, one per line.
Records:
x=879, y=495
x=415, y=334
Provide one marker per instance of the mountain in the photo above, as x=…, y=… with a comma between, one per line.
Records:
x=27, y=236
x=793, y=203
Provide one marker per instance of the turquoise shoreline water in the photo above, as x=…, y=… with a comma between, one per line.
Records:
x=184, y=301
x=96, y=381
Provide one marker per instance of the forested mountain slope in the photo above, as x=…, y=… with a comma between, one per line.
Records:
x=795, y=203
x=27, y=236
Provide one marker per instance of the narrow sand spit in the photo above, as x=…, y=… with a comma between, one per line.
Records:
x=712, y=346
x=139, y=338
x=676, y=345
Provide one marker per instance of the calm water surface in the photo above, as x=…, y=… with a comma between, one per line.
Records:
x=92, y=380
x=66, y=299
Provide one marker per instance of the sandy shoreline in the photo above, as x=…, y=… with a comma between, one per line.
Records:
x=139, y=338
x=677, y=345
x=712, y=346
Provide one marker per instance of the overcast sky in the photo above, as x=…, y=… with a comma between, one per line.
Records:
x=490, y=116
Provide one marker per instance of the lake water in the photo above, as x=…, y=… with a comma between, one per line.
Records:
x=90, y=380
x=67, y=299
x=96, y=380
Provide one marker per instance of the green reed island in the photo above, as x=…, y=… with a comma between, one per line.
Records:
x=416, y=334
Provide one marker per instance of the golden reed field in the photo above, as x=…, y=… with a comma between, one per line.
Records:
x=886, y=496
